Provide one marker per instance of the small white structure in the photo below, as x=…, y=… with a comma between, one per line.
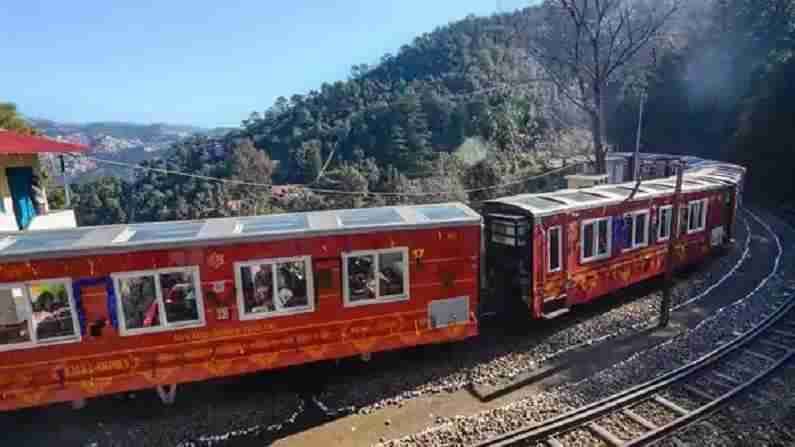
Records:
x=23, y=201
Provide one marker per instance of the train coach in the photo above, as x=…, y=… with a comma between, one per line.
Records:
x=98, y=310
x=548, y=252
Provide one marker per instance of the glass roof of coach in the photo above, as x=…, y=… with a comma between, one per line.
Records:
x=657, y=186
x=41, y=240
x=623, y=191
x=440, y=213
x=369, y=216
x=542, y=203
x=162, y=233
x=579, y=196
x=273, y=224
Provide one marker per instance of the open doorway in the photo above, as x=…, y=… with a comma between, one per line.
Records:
x=20, y=181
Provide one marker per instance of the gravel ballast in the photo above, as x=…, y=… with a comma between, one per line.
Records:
x=710, y=333
x=219, y=411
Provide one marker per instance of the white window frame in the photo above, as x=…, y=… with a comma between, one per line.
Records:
x=702, y=225
x=596, y=257
x=164, y=326
x=633, y=215
x=34, y=341
x=663, y=209
x=379, y=299
x=310, y=288
x=559, y=229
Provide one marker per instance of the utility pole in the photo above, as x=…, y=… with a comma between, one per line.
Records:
x=67, y=193
x=636, y=174
x=665, y=304
x=643, y=95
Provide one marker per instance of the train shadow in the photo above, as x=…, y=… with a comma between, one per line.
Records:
x=258, y=409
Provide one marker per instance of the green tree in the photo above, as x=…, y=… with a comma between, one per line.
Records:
x=102, y=202
x=248, y=164
x=11, y=120
x=586, y=46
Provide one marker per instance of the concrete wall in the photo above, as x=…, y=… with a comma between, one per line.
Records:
x=54, y=219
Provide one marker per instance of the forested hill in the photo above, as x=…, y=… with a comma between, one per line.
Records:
x=471, y=78
x=463, y=107
x=467, y=88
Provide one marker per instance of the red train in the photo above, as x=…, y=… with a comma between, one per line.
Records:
x=98, y=310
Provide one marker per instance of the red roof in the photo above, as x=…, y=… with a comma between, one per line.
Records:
x=14, y=143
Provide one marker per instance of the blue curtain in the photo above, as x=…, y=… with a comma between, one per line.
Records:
x=77, y=287
x=19, y=181
x=621, y=234
x=111, y=292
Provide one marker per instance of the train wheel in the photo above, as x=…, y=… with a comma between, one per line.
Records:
x=167, y=393
x=78, y=404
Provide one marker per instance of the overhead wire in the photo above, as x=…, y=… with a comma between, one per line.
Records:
x=324, y=190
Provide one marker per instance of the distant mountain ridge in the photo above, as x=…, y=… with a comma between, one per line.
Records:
x=119, y=141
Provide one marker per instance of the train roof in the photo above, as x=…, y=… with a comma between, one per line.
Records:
x=702, y=175
x=159, y=235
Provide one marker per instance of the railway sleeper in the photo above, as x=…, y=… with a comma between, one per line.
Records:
x=605, y=434
x=759, y=355
x=775, y=345
x=649, y=425
x=710, y=381
x=670, y=405
x=699, y=393
x=783, y=333
x=729, y=380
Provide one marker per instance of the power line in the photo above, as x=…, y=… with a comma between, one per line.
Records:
x=322, y=190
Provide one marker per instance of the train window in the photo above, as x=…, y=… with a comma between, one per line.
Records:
x=138, y=296
x=664, y=225
x=639, y=229
x=595, y=239
x=159, y=300
x=38, y=312
x=179, y=297
x=697, y=215
x=271, y=287
x=54, y=315
x=14, y=317
x=375, y=276
x=553, y=249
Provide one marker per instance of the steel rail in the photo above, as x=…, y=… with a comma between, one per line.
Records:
x=704, y=410
x=580, y=417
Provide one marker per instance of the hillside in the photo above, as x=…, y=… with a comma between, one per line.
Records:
x=119, y=141
x=452, y=110
x=472, y=78
x=463, y=107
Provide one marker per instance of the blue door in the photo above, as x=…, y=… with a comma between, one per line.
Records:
x=19, y=181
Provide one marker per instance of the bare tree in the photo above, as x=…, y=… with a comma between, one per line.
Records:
x=584, y=45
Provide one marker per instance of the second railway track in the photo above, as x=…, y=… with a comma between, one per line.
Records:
x=653, y=410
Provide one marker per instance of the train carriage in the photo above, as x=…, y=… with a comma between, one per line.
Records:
x=97, y=310
x=548, y=252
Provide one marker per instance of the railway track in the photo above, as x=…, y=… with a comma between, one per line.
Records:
x=656, y=409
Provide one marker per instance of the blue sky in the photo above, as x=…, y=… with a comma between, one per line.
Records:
x=200, y=62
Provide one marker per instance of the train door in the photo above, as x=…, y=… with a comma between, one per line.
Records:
x=508, y=267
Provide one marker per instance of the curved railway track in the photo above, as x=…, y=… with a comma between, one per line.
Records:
x=685, y=394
